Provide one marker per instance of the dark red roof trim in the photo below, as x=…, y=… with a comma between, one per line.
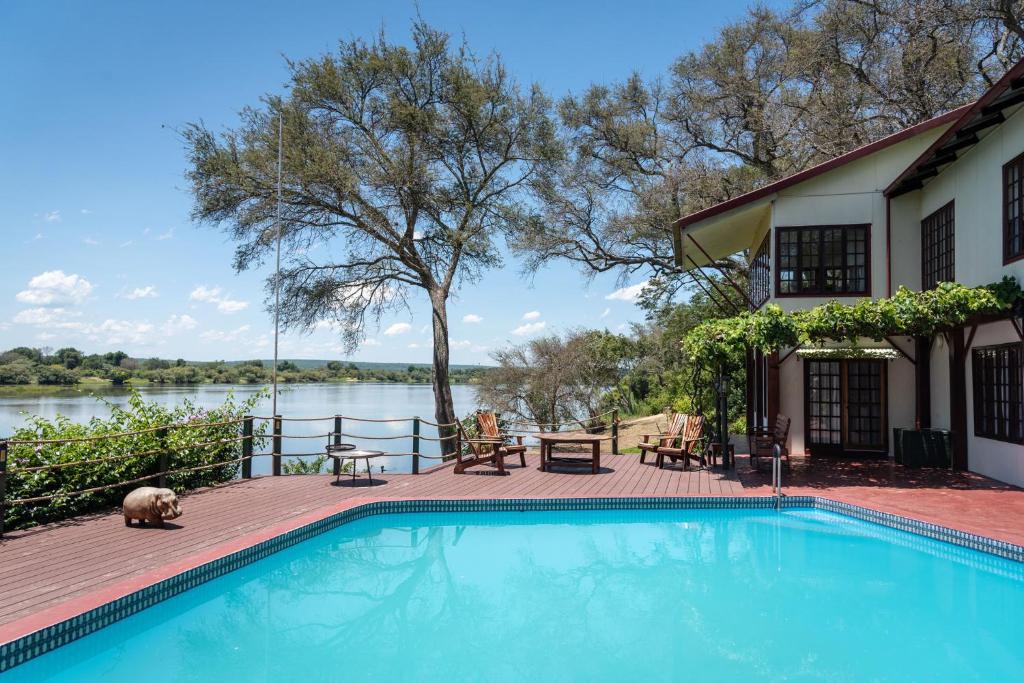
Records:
x=969, y=113
x=823, y=167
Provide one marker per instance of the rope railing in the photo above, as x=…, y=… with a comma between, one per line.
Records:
x=119, y=435
x=105, y=487
x=159, y=458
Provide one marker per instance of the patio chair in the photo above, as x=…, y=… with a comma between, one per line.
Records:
x=691, y=444
x=488, y=423
x=763, y=440
x=481, y=451
x=675, y=425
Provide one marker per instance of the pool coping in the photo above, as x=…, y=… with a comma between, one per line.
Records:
x=39, y=633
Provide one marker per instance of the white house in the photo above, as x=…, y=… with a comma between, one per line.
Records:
x=940, y=201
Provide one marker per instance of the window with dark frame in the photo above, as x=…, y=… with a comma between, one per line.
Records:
x=937, y=248
x=998, y=382
x=1013, y=210
x=759, y=283
x=826, y=259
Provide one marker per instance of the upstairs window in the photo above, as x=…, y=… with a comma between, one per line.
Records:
x=937, y=248
x=759, y=283
x=826, y=259
x=998, y=379
x=1013, y=210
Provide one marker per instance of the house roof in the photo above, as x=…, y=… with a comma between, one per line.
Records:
x=823, y=167
x=975, y=121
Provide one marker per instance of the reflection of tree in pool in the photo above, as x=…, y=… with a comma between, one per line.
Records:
x=350, y=596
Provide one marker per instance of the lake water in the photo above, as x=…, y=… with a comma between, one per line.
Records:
x=361, y=400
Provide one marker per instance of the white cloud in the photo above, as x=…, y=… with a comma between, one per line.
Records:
x=224, y=335
x=54, y=288
x=85, y=211
x=532, y=315
x=122, y=331
x=629, y=293
x=461, y=344
x=414, y=345
x=52, y=216
x=166, y=235
x=398, y=328
x=417, y=235
x=231, y=305
x=46, y=336
x=371, y=342
x=179, y=323
x=39, y=236
x=529, y=328
x=472, y=318
x=478, y=349
x=43, y=316
x=147, y=292
x=126, y=244
x=90, y=241
x=204, y=293
x=606, y=312
x=213, y=295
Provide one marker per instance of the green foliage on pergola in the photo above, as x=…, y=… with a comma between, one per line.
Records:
x=722, y=344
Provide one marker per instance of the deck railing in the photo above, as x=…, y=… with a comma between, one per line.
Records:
x=155, y=464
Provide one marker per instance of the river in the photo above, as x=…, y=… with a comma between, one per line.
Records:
x=365, y=400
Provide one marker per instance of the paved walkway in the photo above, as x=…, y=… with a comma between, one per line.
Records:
x=43, y=567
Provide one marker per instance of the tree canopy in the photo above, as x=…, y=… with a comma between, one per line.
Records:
x=403, y=166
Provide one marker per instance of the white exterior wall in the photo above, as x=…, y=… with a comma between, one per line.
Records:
x=996, y=459
x=851, y=194
x=975, y=183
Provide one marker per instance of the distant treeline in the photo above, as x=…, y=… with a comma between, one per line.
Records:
x=68, y=366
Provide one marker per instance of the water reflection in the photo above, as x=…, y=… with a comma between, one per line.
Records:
x=378, y=401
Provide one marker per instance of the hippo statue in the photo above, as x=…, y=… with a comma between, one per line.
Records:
x=149, y=504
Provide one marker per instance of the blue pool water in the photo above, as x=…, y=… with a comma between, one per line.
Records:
x=716, y=595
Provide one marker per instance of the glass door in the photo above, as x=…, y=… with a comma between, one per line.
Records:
x=845, y=406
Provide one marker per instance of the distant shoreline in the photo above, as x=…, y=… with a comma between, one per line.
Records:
x=43, y=389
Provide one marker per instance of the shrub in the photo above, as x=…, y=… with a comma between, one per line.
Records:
x=192, y=439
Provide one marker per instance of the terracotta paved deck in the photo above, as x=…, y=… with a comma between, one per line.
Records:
x=47, y=566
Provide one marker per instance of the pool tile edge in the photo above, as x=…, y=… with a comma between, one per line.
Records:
x=38, y=634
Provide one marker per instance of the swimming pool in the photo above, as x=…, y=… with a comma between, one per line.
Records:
x=698, y=594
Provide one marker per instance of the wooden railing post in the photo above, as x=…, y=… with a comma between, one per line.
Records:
x=277, y=447
x=3, y=484
x=416, y=445
x=337, y=442
x=163, y=461
x=247, y=447
x=615, y=432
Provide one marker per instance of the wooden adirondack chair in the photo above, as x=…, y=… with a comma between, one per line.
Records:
x=763, y=440
x=675, y=425
x=481, y=451
x=691, y=443
x=489, y=430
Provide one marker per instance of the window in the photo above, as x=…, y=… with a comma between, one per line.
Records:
x=830, y=259
x=937, y=248
x=759, y=283
x=1013, y=209
x=997, y=378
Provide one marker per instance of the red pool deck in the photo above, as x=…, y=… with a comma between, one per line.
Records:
x=56, y=570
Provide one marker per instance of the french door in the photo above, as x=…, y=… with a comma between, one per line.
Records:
x=845, y=406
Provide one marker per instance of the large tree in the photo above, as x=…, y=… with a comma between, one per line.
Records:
x=770, y=95
x=402, y=167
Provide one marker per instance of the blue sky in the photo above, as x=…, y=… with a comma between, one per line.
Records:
x=98, y=249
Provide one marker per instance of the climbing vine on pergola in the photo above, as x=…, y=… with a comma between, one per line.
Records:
x=720, y=345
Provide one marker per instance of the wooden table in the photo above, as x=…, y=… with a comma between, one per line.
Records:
x=549, y=439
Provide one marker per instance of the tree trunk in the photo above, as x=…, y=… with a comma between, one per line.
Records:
x=444, y=409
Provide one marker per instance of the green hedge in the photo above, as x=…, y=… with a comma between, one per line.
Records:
x=186, y=424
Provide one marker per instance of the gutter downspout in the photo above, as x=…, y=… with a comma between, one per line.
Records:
x=888, y=246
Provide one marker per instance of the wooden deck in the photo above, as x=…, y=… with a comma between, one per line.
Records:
x=44, y=567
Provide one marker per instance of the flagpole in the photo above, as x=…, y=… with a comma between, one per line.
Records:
x=277, y=269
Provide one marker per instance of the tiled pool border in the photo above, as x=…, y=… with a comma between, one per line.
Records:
x=25, y=647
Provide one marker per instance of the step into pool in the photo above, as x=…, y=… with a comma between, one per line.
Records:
x=681, y=594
